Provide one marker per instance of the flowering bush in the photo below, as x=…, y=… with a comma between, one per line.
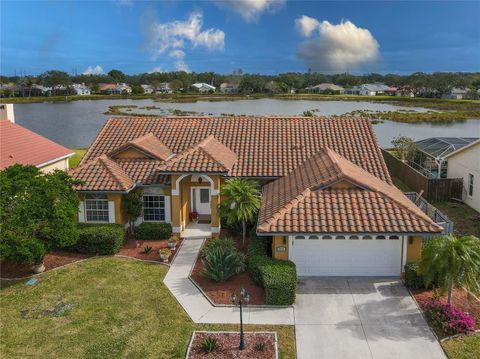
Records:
x=449, y=319
x=193, y=215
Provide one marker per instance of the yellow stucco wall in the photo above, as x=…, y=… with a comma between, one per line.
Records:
x=278, y=244
x=343, y=184
x=117, y=199
x=414, y=248
x=58, y=165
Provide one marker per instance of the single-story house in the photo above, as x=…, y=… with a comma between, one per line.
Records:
x=327, y=201
x=465, y=163
x=148, y=89
x=119, y=88
x=81, y=89
x=456, y=93
x=203, y=87
x=164, y=87
x=325, y=88
x=227, y=87
x=19, y=145
x=374, y=89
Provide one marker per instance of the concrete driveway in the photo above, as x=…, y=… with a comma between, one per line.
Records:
x=360, y=318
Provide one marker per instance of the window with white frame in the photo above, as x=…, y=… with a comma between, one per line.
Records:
x=470, y=184
x=96, y=207
x=153, y=208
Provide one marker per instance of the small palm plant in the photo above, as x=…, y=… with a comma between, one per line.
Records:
x=209, y=345
x=222, y=263
x=452, y=262
x=241, y=202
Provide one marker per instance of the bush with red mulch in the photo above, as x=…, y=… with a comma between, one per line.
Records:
x=228, y=344
x=51, y=260
x=460, y=300
x=220, y=293
x=134, y=249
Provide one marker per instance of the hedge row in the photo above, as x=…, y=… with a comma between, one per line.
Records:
x=102, y=239
x=278, y=277
x=153, y=231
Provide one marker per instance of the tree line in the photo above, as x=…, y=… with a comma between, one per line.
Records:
x=436, y=83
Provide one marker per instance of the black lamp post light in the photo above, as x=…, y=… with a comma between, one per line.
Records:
x=241, y=300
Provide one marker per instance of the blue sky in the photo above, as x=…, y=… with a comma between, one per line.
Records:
x=258, y=36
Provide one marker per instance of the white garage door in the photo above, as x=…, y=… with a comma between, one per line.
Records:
x=346, y=255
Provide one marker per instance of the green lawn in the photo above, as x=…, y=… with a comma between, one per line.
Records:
x=121, y=310
x=463, y=347
x=465, y=219
x=75, y=159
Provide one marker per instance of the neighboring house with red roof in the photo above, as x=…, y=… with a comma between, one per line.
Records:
x=328, y=200
x=19, y=145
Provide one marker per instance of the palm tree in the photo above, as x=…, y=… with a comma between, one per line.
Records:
x=452, y=262
x=240, y=203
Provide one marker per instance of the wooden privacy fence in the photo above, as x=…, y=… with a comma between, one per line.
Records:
x=434, y=189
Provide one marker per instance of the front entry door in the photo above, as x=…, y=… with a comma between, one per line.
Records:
x=201, y=200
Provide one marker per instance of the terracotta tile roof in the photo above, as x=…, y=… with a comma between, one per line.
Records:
x=307, y=200
x=19, y=145
x=264, y=146
x=102, y=174
x=148, y=144
x=209, y=155
x=143, y=170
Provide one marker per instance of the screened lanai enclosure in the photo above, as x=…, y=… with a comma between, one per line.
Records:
x=430, y=154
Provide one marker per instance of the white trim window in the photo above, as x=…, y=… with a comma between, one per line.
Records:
x=470, y=185
x=153, y=208
x=96, y=207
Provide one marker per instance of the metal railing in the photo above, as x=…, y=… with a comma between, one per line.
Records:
x=436, y=215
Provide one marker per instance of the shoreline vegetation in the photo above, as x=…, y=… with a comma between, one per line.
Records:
x=443, y=110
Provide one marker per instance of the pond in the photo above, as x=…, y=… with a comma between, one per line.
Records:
x=75, y=124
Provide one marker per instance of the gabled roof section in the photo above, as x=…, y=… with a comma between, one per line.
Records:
x=308, y=200
x=148, y=144
x=22, y=146
x=102, y=174
x=208, y=156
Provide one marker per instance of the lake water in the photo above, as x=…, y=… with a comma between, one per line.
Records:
x=74, y=124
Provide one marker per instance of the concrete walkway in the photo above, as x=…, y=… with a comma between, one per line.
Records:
x=200, y=309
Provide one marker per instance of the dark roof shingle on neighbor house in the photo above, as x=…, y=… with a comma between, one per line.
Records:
x=22, y=146
x=309, y=200
x=264, y=146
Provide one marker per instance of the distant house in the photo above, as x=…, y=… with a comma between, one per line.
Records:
x=465, y=163
x=120, y=88
x=227, y=87
x=374, y=89
x=391, y=91
x=22, y=146
x=327, y=88
x=203, y=87
x=456, y=93
x=147, y=89
x=164, y=87
x=107, y=88
x=81, y=89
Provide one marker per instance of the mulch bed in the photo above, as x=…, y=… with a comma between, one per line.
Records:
x=220, y=293
x=51, y=261
x=228, y=346
x=460, y=300
x=134, y=249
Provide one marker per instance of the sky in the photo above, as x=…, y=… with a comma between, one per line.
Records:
x=257, y=36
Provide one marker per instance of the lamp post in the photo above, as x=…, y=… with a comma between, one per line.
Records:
x=243, y=298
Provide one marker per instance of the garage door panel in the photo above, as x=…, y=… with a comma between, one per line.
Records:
x=347, y=257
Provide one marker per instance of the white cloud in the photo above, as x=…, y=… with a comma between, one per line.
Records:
x=90, y=70
x=251, y=10
x=173, y=37
x=306, y=25
x=337, y=48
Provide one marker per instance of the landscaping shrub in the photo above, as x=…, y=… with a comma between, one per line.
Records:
x=209, y=345
x=153, y=231
x=413, y=280
x=278, y=277
x=100, y=239
x=215, y=243
x=447, y=318
x=222, y=263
